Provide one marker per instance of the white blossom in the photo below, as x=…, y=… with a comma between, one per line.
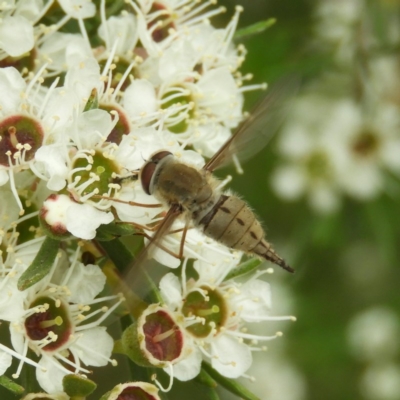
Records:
x=224, y=345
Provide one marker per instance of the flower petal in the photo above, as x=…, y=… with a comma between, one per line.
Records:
x=85, y=283
x=171, y=291
x=94, y=347
x=50, y=375
x=189, y=367
x=230, y=357
x=16, y=35
x=82, y=220
x=5, y=361
x=255, y=301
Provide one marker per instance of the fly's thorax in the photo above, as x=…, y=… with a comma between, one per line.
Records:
x=173, y=182
x=232, y=223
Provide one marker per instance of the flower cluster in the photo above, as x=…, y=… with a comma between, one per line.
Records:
x=84, y=105
x=342, y=137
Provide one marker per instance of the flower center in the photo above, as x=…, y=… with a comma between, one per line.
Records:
x=164, y=339
x=94, y=174
x=118, y=72
x=134, y=393
x=164, y=22
x=318, y=166
x=20, y=137
x=365, y=144
x=178, y=122
x=211, y=309
x=50, y=319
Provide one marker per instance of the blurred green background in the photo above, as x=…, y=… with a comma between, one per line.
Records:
x=346, y=262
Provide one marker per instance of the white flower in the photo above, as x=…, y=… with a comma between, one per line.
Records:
x=214, y=311
x=58, y=49
x=372, y=334
x=188, y=78
x=332, y=148
x=381, y=381
x=285, y=381
x=30, y=118
x=198, y=106
x=53, y=323
x=16, y=35
x=79, y=9
x=158, y=26
x=62, y=214
x=5, y=361
x=338, y=22
x=370, y=144
x=120, y=31
x=17, y=257
x=310, y=168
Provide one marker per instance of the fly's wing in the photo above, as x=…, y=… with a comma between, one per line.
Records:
x=163, y=229
x=254, y=133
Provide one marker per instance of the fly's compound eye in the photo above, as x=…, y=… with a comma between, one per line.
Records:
x=148, y=169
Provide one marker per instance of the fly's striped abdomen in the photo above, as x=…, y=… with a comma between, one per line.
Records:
x=232, y=223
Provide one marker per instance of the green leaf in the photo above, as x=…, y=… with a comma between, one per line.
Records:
x=205, y=379
x=230, y=384
x=78, y=386
x=11, y=385
x=244, y=268
x=212, y=395
x=114, y=230
x=41, y=265
x=123, y=259
x=118, y=253
x=258, y=27
x=93, y=101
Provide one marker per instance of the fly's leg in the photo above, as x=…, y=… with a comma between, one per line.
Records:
x=153, y=228
x=120, y=180
x=170, y=252
x=148, y=237
x=182, y=245
x=131, y=203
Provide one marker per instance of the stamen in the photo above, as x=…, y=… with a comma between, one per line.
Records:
x=122, y=80
x=248, y=88
x=162, y=336
x=213, y=310
x=103, y=317
x=14, y=191
x=95, y=352
x=47, y=324
x=171, y=379
x=250, y=336
x=22, y=357
x=67, y=361
x=46, y=98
